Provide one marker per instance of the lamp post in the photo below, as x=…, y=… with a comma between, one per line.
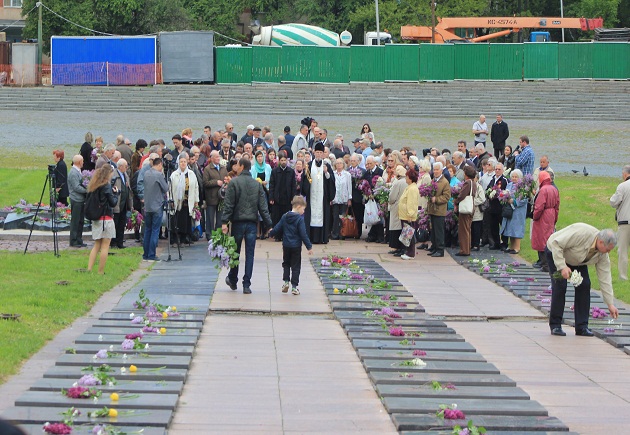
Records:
x=378, y=27
x=40, y=42
x=432, y=21
x=562, y=16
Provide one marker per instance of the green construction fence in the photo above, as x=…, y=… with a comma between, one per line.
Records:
x=423, y=62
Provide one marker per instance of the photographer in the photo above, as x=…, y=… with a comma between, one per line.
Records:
x=60, y=178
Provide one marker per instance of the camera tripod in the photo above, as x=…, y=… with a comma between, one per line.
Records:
x=50, y=182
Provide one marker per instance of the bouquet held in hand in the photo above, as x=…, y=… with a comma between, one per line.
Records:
x=575, y=278
x=222, y=249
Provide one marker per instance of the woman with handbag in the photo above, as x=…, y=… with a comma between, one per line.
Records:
x=514, y=226
x=395, y=226
x=408, y=211
x=465, y=205
x=343, y=197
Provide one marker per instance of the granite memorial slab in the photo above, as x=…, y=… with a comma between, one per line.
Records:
x=535, y=424
x=151, y=339
x=415, y=315
x=130, y=329
x=404, y=377
x=182, y=317
x=161, y=323
x=157, y=374
x=428, y=356
x=471, y=407
x=13, y=221
x=423, y=337
x=372, y=321
x=365, y=306
x=411, y=344
x=91, y=349
x=87, y=429
x=126, y=401
x=453, y=395
x=408, y=329
x=141, y=361
x=135, y=417
x=130, y=386
x=396, y=365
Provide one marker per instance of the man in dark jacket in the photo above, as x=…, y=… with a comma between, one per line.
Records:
x=244, y=199
x=376, y=233
x=499, y=133
x=282, y=189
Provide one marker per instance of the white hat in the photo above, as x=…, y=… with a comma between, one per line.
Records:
x=250, y=127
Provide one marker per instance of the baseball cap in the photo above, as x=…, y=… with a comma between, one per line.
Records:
x=256, y=129
x=356, y=140
x=250, y=127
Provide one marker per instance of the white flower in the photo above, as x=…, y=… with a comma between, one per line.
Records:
x=132, y=315
x=124, y=356
x=100, y=338
x=158, y=332
x=94, y=356
x=123, y=370
x=146, y=346
x=418, y=362
x=75, y=384
x=223, y=162
x=576, y=278
x=95, y=399
x=110, y=384
x=47, y=424
x=111, y=347
x=454, y=405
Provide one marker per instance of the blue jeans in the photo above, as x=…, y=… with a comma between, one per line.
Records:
x=152, y=224
x=247, y=231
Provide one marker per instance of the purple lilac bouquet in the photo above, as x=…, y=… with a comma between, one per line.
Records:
x=456, y=189
x=428, y=190
x=356, y=174
x=135, y=221
x=505, y=196
x=424, y=221
x=86, y=176
x=524, y=188
x=222, y=249
x=450, y=221
x=366, y=189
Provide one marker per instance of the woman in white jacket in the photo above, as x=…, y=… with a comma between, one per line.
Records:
x=184, y=194
x=343, y=197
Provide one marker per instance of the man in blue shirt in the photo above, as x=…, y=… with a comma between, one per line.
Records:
x=525, y=158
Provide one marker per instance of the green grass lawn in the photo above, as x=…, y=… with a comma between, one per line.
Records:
x=586, y=200
x=30, y=288
x=16, y=184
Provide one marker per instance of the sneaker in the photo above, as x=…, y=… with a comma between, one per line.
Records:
x=229, y=283
x=285, y=287
x=406, y=257
x=247, y=290
x=295, y=291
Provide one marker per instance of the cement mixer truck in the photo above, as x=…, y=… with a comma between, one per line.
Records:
x=304, y=34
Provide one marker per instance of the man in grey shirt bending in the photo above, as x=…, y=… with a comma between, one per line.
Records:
x=155, y=188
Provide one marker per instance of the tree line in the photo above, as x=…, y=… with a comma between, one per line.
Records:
x=138, y=17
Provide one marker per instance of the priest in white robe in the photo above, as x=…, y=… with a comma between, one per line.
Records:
x=318, y=185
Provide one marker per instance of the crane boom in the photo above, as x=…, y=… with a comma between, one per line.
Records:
x=445, y=29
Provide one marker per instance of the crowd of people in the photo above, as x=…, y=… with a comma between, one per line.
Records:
x=428, y=200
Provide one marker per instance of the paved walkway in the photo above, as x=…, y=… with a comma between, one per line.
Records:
x=585, y=382
x=277, y=363
x=276, y=373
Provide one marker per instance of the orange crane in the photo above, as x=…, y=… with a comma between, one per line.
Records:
x=445, y=29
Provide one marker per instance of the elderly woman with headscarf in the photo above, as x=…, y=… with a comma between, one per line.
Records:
x=514, y=227
x=395, y=226
x=261, y=172
x=184, y=192
x=546, y=209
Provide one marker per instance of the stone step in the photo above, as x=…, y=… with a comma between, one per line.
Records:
x=531, y=424
x=126, y=385
x=137, y=417
x=125, y=401
x=36, y=429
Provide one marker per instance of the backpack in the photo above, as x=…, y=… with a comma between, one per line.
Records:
x=94, y=208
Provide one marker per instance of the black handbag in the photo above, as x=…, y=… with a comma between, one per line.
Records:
x=507, y=211
x=422, y=235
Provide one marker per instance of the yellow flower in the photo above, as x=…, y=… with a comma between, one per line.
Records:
x=164, y=315
x=336, y=291
x=114, y=396
x=133, y=368
x=174, y=308
x=162, y=330
x=113, y=412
